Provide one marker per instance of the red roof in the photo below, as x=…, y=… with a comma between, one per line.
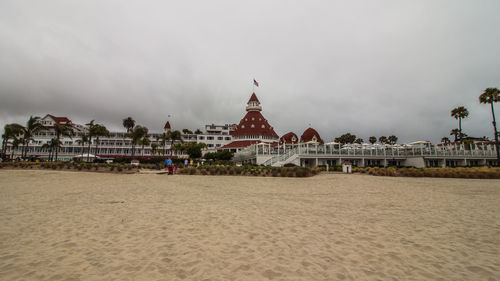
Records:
x=253, y=98
x=240, y=144
x=167, y=126
x=309, y=134
x=254, y=124
x=288, y=138
x=59, y=120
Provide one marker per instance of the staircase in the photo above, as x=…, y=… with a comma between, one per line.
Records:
x=280, y=160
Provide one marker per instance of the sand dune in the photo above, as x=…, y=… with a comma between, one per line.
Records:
x=87, y=226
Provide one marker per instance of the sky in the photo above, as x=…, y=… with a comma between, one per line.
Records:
x=370, y=68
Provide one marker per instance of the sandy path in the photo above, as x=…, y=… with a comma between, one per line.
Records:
x=87, y=226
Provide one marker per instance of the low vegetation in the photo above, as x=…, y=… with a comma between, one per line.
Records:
x=262, y=171
x=73, y=166
x=460, y=172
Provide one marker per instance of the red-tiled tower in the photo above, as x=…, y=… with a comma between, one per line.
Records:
x=253, y=128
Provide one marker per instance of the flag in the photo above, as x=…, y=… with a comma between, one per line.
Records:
x=255, y=83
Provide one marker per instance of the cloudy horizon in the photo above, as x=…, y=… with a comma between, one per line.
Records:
x=368, y=68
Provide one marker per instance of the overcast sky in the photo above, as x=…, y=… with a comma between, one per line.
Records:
x=365, y=67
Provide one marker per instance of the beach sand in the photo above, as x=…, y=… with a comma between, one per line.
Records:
x=57, y=225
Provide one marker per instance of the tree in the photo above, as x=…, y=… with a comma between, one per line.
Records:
x=10, y=131
x=372, y=139
x=128, y=123
x=98, y=131
x=15, y=144
x=62, y=130
x=382, y=139
x=359, y=141
x=392, y=139
x=445, y=140
x=221, y=155
x=154, y=147
x=163, y=141
x=84, y=137
x=346, y=138
x=174, y=136
x=136, y=134
x=144, y=141
x=33, y=126
x=454, y=133
x=186, y=131
x=193, y=149
x=459, y=113
x=492, y=95
x=90, y=134
x=198, y=132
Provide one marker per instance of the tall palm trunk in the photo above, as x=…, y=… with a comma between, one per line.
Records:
x=460, y=128
x=57, y=148
x=496, y=134
x=88, y=152
x=96, y=146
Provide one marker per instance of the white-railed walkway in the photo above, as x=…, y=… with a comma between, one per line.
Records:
x=311, y=155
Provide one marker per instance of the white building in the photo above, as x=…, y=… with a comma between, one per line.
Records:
x=117, y=144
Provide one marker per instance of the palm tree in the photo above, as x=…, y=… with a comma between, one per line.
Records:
x=10, y=131
x=144, y=141
x=163, y=141
x=445, y=140
x=454, y=133
x=33, y=126
x=359, y=141
x=136, y=134
x=15, y=144
x=459, y=113
x=84, y=137
x=99, y=131
x=372, y=139
x=154, y=147
x=52, y=146
x=392, y=139
x=198, y=132
x=382, y=139
x=128, y=123
x=492, y=95
x=62, y=130
x=174, y=136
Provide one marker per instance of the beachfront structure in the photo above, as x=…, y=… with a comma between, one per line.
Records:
x=252, y=129
x=417, y=154
x=117, y=144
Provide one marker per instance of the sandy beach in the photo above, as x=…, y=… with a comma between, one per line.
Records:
x=57, y=225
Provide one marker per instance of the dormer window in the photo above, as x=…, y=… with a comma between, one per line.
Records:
x=252, y=126
x=314, y=138
x=263, y=126
x=294, y=139
x=243, y=126
x=253, y=119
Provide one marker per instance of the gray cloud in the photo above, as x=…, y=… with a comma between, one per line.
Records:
x=371, y=68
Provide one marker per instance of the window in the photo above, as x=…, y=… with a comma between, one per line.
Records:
x=228, y=138
x=201, y=137
x=217, y=145
x=219, y=138
x=210, y=138
x=210, y=145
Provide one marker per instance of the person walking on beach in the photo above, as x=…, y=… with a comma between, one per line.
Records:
x=169, y=166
